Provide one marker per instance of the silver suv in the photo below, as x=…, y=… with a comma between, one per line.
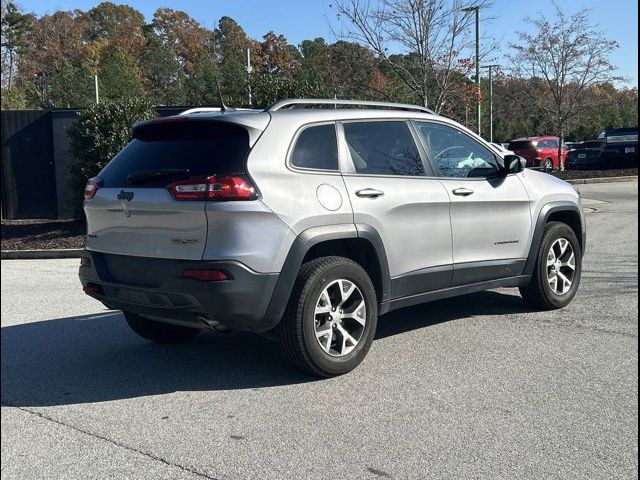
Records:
x=307, y=223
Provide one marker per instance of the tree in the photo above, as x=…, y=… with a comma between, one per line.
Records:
x=233, y=44
x=71, y=86
x=433, y=34
x=119, y=26
x=276, y=57
x=568, y=55
x=14, y=27
x=183, y=35
x=119, y=78
x=101, y=131
x=51, y=41
x=201, y=85
x=268, y=88
x=162, y=73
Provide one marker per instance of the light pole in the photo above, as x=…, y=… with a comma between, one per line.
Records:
x=491, y=67
x=476, y=9
x=249, y=74
x=95, y=83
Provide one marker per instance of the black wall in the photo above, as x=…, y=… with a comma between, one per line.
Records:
x=36, y=162
x=28, y=169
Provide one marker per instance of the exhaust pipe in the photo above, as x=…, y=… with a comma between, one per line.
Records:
x=214, y=325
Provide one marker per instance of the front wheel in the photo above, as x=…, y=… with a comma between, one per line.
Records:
x=331, y=318
x=159, y=332
x=548, y=165
x=557, y=271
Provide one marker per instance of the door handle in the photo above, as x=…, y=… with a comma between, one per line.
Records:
x=369, y=193
x=463, y=192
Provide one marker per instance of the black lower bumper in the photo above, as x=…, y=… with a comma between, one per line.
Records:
x=157, y=288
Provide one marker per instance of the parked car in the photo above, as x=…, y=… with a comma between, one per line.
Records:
x=541, y=151
x=620, y=148
x=585, y=155
x=305, y=224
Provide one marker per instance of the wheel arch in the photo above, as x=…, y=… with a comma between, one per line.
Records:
x=564, y=212
x=360, y=243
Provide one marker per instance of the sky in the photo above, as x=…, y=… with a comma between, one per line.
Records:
x=307, y=19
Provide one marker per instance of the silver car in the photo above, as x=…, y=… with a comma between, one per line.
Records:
x=306, y=223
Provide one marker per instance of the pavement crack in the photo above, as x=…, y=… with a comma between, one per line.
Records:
x=113, y=442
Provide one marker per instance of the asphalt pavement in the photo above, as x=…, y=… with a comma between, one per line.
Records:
x=479, y=386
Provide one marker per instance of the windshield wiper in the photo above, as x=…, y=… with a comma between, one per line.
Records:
x=150, y=175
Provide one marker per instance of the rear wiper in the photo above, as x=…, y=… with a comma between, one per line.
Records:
x=150, y=175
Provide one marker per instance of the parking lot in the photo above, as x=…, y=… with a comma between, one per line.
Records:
x=475, y=387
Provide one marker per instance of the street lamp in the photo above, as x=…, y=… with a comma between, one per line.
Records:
x=476, y=9
x=249, y=70
x=491, y=67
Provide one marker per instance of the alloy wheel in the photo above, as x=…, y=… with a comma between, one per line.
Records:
x=340, y=317
x=561, y=266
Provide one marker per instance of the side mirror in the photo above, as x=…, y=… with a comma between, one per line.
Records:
x=514, y=164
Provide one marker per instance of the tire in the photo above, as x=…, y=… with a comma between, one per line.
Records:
x=548, y=165
x=541, y=293
x=159, y=332
x=298, y=331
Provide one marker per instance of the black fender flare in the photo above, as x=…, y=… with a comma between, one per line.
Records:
x=301, y=245
x=543, y=218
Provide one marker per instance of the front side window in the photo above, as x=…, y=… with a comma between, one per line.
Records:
x=455, y=153
x=383, y=148
x=316, y=148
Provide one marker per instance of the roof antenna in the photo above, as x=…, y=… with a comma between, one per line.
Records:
x=223, y=107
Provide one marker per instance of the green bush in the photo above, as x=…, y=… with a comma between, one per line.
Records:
x=102, y=131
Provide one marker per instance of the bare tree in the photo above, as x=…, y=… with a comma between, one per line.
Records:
x=567, y=55
x=432, y=34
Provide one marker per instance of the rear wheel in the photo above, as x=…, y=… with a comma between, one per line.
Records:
x=331, y=318
x=159, y=332
x=548, y=165
x=558, y=269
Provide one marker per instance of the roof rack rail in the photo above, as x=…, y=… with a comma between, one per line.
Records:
x=281, y=104
x=217, y=109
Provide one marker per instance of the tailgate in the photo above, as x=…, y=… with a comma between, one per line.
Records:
x=150, y=224
x=133, y=211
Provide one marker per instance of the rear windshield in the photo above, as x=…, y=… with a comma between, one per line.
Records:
x=622, y=135
x=521, y=145
x=161, y=153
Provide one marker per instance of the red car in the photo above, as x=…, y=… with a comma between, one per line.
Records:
x=539, y=151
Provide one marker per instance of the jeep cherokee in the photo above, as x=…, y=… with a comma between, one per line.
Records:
x=308, y=223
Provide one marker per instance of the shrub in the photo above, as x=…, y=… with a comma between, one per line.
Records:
x=102, y=131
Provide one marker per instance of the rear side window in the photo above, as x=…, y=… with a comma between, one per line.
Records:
x=163, y=152
x=383, y=148
x=316, y=148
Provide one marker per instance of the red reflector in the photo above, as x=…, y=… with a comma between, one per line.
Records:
x=92, y=186
x=207, y=275
x=230, y=187
x=85, y=262
x=91, y=288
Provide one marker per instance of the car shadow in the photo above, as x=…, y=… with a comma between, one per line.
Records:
x=96, y=358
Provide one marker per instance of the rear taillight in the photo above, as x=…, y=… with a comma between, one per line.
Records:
x=228, y=187
x=92, y=186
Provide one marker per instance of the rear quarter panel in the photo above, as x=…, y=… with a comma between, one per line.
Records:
x=301, y=199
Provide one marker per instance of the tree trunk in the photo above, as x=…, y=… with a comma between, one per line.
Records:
x=560, y=143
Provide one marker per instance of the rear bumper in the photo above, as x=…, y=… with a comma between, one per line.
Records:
x=156, y=288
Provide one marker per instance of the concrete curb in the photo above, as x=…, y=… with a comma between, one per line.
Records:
x=40, y=254
x=586, y=181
